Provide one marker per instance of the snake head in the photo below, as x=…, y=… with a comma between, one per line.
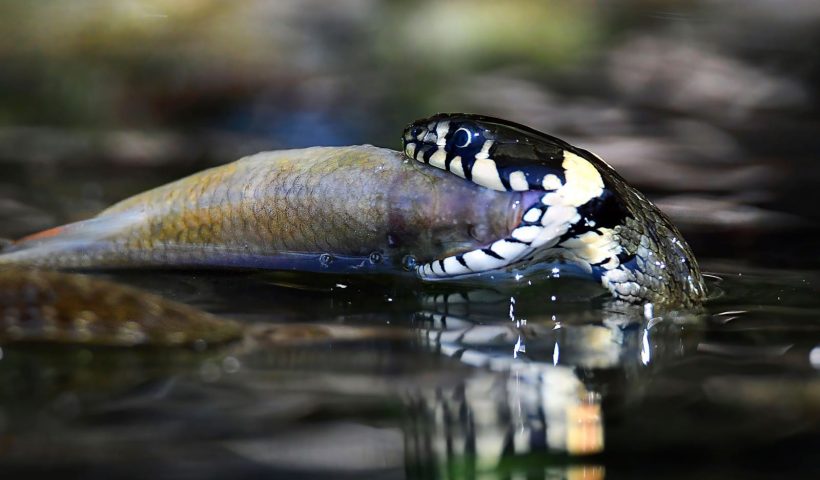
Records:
x=491, y=152
x=585, y=214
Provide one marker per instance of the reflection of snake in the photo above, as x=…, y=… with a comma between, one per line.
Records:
x=534, y=204
x=525, y=397
x=585, y=213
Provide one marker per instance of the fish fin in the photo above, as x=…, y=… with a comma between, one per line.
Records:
x=96, y=228
x=70, y=241
x=51, y=232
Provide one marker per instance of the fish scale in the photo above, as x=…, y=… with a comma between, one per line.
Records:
x=282, y=210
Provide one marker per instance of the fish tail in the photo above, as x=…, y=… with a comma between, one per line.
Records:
x=8, y=245
x=50, y=233
x=68, y=245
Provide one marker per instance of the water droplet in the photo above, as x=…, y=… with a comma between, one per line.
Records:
x=325, y=259
x=408, y=262
x=231, y=365
x=814, y=357
x=209, y=372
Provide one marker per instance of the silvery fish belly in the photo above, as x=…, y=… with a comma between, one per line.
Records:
x=346, y=209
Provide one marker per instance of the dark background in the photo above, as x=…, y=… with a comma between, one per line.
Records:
x=710, y=107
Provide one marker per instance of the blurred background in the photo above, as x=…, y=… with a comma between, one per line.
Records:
x=710, y=107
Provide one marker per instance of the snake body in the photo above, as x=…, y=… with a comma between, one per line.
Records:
x=586, y=214
x=529, y=201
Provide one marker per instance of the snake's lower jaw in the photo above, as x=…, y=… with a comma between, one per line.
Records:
x=501, y=254
x=527, y=232
x=539, y=240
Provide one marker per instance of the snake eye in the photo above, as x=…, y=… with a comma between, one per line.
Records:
x=462, y=137
x=465, y=140
x=416, y=131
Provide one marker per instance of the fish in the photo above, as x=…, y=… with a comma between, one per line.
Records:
x=356, y=209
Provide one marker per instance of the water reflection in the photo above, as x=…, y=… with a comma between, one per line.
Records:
x=540, y=386
x=538, y=372
x=393, y=381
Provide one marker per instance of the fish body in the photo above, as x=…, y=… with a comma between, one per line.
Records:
x=358, y=208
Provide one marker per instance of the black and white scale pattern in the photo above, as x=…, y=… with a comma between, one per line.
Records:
x=587, y=215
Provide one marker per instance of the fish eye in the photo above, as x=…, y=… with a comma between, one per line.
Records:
x=462, y=137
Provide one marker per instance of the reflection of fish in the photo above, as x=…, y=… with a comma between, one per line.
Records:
x=526, y=399
x=37, y=306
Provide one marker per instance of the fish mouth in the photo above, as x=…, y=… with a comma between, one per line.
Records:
x=526, y=237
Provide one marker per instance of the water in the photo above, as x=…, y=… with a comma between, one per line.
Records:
x=467, y=382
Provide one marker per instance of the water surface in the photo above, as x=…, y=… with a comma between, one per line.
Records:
x=458, y=382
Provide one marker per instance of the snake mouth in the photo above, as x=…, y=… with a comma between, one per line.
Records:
x=529, y=233
x=568, y=214
x=533, y=227
x=587, y=215
x=425, y=143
